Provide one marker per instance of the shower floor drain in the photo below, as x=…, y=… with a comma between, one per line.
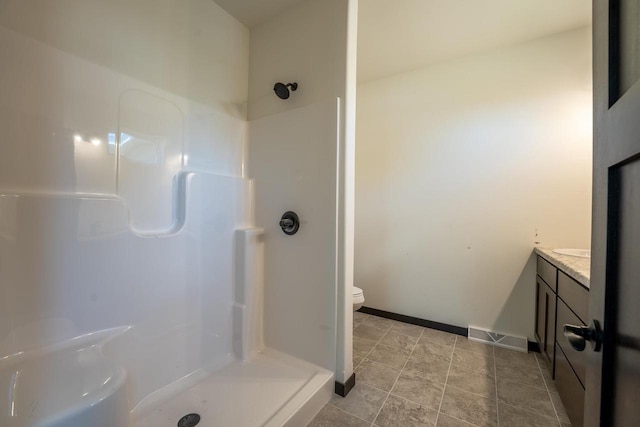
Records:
x=190, y=420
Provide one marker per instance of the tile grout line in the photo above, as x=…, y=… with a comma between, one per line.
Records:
x=446, y=380
x=544, y=381
x=363, y=359
x=396, y=381
x=374, y=346
x=495, y=379
x=530, y=411
x=348, y=413
x=463, y=421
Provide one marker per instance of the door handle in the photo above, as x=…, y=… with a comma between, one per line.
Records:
x=579, y=335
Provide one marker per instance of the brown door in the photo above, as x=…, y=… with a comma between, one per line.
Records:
x=613, y=372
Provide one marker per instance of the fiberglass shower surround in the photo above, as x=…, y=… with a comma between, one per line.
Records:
x=141, y=250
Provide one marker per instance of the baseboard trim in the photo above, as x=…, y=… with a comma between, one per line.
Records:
x=344, y=389
x=533, y=347
x=458, y=330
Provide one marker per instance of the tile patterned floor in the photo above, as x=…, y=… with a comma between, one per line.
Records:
x=409, y=376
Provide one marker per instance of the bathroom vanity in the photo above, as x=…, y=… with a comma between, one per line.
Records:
x=562, y=297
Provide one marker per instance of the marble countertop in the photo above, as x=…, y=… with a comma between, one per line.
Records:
x=575, y=267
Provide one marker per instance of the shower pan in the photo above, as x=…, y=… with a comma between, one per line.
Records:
x=145, y=277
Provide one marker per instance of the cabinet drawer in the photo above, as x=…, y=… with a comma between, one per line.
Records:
x=574, y=295
x=577, y=359
x=547, y=271
x=570, y=389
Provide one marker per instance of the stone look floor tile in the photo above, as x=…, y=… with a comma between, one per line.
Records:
x=559, y=407
x=378, y=322
x=362, y=346
x=427, y=366
x=544, y=368
x=440, y=352
x=363, y=401
x=438, y=337
x=469, y=407
x=359, y=316
x=330, y=416
x=479, y=362
x=390, y=356
x=472, y=381
x=419, y=390
x=475, y=347
x=398, y=412
x=407, y=329
x=357, y=361
x=551, y=387
x=369, y=332
x=385, y=358
x=515, y=356
x=512, y=416
x=447, y=421
x=398, y=340
x=377, y=375
x=525, y=374
x=525, y=397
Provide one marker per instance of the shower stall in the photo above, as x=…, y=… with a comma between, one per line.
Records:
x=145, y=278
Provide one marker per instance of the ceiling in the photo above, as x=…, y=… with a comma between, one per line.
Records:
x=402, y=35
x=254, y=12
x=395, y=36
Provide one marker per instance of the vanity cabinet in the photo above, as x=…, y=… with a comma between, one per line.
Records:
x=562, y=300
x=545, y=319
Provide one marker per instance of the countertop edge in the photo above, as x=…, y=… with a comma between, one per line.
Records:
x=576, y=268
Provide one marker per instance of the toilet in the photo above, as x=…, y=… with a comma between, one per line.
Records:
x=358, y=298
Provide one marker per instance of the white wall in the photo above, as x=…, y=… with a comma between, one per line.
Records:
x=311, y=44
x=461, y=167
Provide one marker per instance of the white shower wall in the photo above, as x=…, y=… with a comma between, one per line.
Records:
x=80, y=75
x=125, y=206
x=293, y=159
x=313, y=44
x=72, y=61
x=72, y=266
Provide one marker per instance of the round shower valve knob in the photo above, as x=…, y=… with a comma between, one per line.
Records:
x=290, y=223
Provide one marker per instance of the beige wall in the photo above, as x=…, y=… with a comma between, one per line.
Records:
x=460, y=168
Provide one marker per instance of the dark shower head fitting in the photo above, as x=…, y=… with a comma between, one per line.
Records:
x=282, y=90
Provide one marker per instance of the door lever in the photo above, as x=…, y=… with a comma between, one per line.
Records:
x=579, y=335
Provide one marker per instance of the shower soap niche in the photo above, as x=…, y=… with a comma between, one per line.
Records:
x=69, y=385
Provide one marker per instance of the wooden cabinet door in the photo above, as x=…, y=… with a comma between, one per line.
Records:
x=545, y=319
x=550, y=326
x=541, y=316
